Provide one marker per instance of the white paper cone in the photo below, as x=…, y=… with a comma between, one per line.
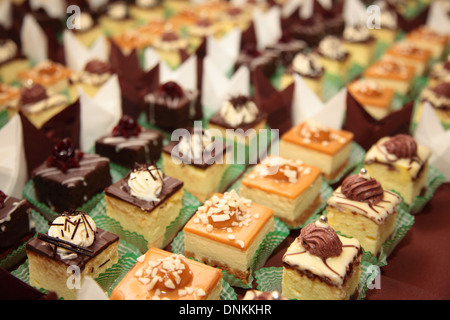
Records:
x=99, y=114
x=305, y=103
x=6, y=14
x=77, y=54
x=34, y=41
x=224, y=51
x=267, y=27
x=90, y=290
x=431, y=134
x=185, y=75
x=13, y=166
x=332, y=113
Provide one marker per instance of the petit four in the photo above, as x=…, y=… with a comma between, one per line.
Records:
x=438, y=96
x=311, y=30
x=38, y=104
x=129, y=143
x=146, y=201
x=171, y=107
x=333, y=56
x=240, y=114
x=362, y=209
x=226, y=232
x=116, y=18
x=16, y=223
x=199, y=160
x=321, y=264
x=9, y=96
x=309, y=67
x=360, y=44
x=375, y=98
x=440, y=72
x=169, y=44
x=162, y=275
x=73, y=248
x=88, y=31
x=326, y=148
x=51, y=75
x=429, y=39
x=287, y=48
x=146, y=10
x=266, y=60
x=399, y=163
x=94, y=75
x=11, y=61
x=391, y=74
x=289, y=187
x=388, y=28
x=408, y=53
x=254, y=294
x=69, y=177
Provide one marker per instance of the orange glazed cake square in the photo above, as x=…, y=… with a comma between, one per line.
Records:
x=326, y=148
x=410, y=54
x=290, y=187
x=226, y=232
x=429, y=39
x=391, y=74
x=375, y=98
x=162, y=275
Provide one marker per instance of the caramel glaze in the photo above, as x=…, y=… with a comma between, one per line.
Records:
x=390, y=163
x=326, y=280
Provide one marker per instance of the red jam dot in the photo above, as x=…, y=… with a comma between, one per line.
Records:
x=127, y=127
x=171, y=89
x=64, y=156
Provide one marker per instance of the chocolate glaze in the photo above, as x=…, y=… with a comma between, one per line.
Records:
x=217, y=120
x=121, y=191
x=103, y=239
x=14, y=222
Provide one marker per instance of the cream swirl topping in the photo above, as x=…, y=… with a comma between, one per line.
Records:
x=8, y=49
x=146, y=183
x=332, y=47
x=356, y=33
x=307, y=64
x=239, y=110
x=77, y=228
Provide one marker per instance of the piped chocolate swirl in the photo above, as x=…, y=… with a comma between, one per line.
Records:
x=98, y=67
x=32, y=94
x=360, y=189
x=402, y=146
x=320, y=241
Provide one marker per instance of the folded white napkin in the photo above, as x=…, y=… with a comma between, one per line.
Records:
x=267, y=26
x=430, y=133
x=185, y=75
x=217, y=87
x=77, y=54
x=224, y=51
x=99, y=114
x=307, y=105
x=13, y=166
x=34, y=40
x=151, y=58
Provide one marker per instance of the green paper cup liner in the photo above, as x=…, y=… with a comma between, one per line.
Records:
x=270, y=278
x=189, y=206
x=332, y=84
x=29, y=193
x=271, y=241
x=15, y=257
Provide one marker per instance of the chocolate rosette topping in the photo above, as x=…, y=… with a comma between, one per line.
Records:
x=442, y=90
x=32, y=94
x=402, y=146
x=97, y=67
x=171, y=89
x=360, y=189
x=321, y=242
x=127, y=127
